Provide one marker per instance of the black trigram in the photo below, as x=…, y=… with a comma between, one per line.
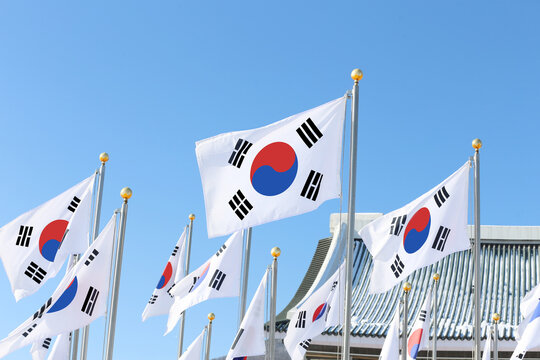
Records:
x=301, y=321
x=34, y=272
x=305, y=344
x=440, y=238
x=195, y=278
x=90, y=301
x=153, y=299
x=309, y=133
x=42, y=309
x=240, y=205
x=422, y=316
x=29, y=330
x=397, y=266
x=73, y=204
x=397, y=224
x=46, y=343
x=238, y=335
x=217, y=280
x=239, y=153
x=441, y=196
x=175, y=251
x=221, y=249
x=25, y=232
x=169, y=291
x=312, y=185
x=91, y=257
x=521, y=356
x=334, y=285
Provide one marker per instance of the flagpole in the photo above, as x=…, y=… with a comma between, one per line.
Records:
x=406, y=289
x=111, y=318
x=356, y=75
x=477, y=144
x=436, y=278
x=103, y=157
x=273, y=293
x=245, y=273
x=496, y=318
x=211, y=318
x=186, y=271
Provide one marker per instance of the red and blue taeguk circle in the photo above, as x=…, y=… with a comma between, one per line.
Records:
x=66, y=298
x=417, y=230
x=51, y=237
x=319, y=312
x=274, y=169
x=165, y=277
x=413, y=345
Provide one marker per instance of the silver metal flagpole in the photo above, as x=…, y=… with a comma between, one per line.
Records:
x=406, y=289
x=103, y=157
x=111, y=318
x=477, y=144
x=186, y=271
x=496, y=318
x=245, y=274
x=211, y=318
x=436, y=278
x=356, y=75
x=273, y=296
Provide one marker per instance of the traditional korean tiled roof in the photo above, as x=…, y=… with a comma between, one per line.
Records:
x=510, y=268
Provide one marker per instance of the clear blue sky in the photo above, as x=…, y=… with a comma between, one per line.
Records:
x=144, y=80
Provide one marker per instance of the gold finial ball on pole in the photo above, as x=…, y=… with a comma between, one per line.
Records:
x=477, y=144
x=275, y=252
x=191, y=217
x=104, y=157
x=407, y=287
x=211, y=317
x=496, y=317
x=126, y=193
x=357, y=74
x=436, y=276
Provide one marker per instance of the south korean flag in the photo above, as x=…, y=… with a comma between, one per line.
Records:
x=280, y=170
x=420, y=233
x=80, y=298
x=34, y=246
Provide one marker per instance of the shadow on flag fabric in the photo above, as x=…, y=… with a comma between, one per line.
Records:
x=319, y=311
x=193, y=352
x=249, y=340
x=390, y=349
x=419, y=336
x=34, y=246
x=420, y=233
x=80, y=298
x=161, y=300
x=530, y=326
x=218, y=277
x=280, y=170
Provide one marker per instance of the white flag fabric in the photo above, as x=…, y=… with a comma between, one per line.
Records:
x=486, y=355
x=193, y=352
x=529, y=339
x=390, y=349
x=60, y=349
x=420, y=233
x=527, y=307
x=311, y=318
x=161, y=301
x=34, y=246
x=280, y=170
x=80, y=298
x=419, y=337
x=218, y=277
x=249, y=340
x=39, y=349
